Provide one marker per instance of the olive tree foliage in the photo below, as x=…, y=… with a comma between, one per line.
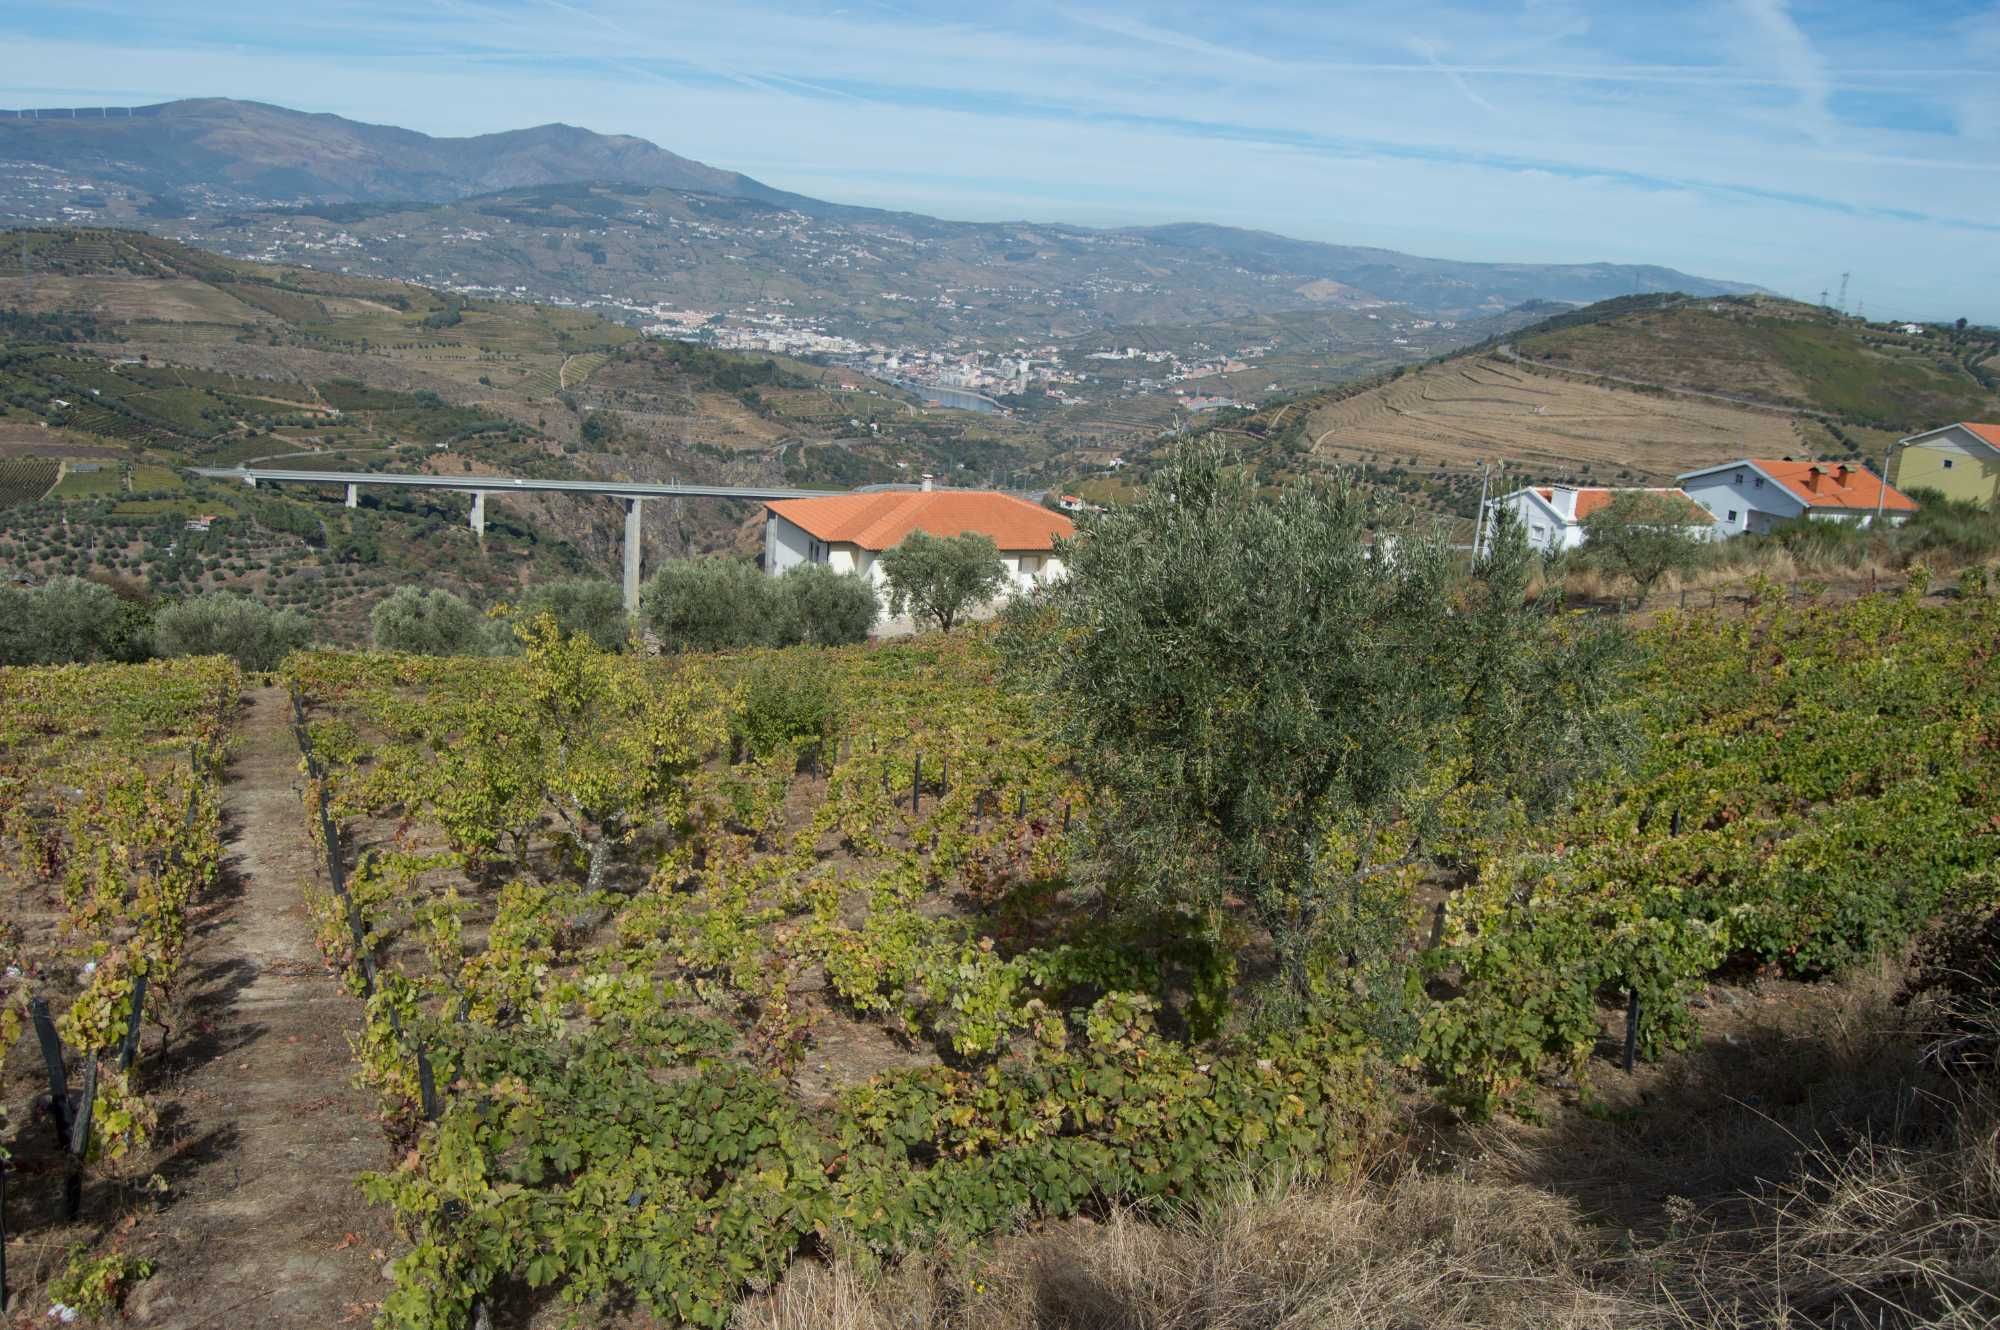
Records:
x=724, y=604
x=1644, y=534
x=709, y=605
x=222, y=623
x=939, y=578
x=1271, y=711
x=591, y=606
x=427, y=623
x=69, y=620
x=826, y=608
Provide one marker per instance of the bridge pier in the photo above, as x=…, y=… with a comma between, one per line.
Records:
x=353, y=496
x=633, y=507
x=479, y=513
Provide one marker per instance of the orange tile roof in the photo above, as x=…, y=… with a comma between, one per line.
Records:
x=1988, y=434
x=1589, y=499
x=1834, y=485
x=880, y=520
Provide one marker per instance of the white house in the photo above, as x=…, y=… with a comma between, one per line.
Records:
x=850, y=532
x=1552, y=515
x=1757, y=494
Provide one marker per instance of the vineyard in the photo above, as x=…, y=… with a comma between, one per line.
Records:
x=109, y=822
x=670, y=973
x=674, y=971
x=25, y=479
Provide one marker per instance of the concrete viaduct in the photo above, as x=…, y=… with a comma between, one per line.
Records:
x=479, y=487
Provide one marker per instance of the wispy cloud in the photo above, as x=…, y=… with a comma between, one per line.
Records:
x=1774, y=37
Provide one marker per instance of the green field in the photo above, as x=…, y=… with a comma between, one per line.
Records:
x=108, y=479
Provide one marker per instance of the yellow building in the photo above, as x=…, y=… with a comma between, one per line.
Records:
x=1960, y=461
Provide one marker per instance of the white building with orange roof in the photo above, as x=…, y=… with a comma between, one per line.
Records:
x=1757, y=494
x=850, y=532
x=1552, y=516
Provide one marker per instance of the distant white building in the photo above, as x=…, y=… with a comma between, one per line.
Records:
x=1552, y=516
x=850, y=532
x=1757, y=494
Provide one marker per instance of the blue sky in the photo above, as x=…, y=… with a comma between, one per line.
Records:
x=1775, y=141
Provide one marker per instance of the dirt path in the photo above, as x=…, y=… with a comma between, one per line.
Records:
x=272, y=1133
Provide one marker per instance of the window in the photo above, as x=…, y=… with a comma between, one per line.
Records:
x=1947, y=464
x=1760, y=482
x=1739, y=477
x=1732, y=514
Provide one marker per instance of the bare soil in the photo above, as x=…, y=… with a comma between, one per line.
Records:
x=262, y=1223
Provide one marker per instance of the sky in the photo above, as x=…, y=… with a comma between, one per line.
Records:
x=1781, y=142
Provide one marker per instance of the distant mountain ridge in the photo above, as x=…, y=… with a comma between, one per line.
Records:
x=256, y=149
x=220, y=160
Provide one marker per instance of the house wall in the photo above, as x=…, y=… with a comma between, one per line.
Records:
x=1956, y=467
x=1739, y=503
x=1547, y=532
x=786, y=545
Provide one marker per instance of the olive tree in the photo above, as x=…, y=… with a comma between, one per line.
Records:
x=222, y=623
x=427, y=623
x=826, y=608
x=69, y=620
x=711, y=605
x=591, y=606
x=1645, y=534
x=939, y=578
x=1272, y=711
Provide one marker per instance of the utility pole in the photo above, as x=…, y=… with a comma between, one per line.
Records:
x=1882, y=488
x=1843, y=292
x=1479, y=526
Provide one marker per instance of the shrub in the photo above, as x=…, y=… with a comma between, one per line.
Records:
x=223, y=623
x=828, y=608
x=792, y=699
x=427, y=623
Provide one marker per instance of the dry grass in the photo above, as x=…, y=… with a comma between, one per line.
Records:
x=1463, y=412
x=1417, y=1252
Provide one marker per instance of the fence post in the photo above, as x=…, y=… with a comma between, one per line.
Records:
x=944, y=777
x=1437, y=928
x=131, y=1048
x=3, y=1238
x=79, y=1142
x=1021, y=806
x=1065, y=817
x=1631, y=1029
x=427, y=1085
x=916, y=783
x=52, y=1062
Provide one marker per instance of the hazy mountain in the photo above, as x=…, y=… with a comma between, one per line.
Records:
x=1444, y=284
x=561, y=213
x=253, y=151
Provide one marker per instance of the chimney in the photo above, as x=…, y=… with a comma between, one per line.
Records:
x=1563, y=499
x=927, y=482
x=1841, y=473
x=1812, y=478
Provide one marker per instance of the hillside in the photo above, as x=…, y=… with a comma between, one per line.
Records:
x=124, y=356
x=1789, y=354
x=217, y=151
x=558, y=213
x=1635, y=390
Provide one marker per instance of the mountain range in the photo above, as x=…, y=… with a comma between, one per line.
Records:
x=247, y=177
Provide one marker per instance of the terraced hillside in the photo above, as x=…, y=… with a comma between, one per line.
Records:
x=1486, y=409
